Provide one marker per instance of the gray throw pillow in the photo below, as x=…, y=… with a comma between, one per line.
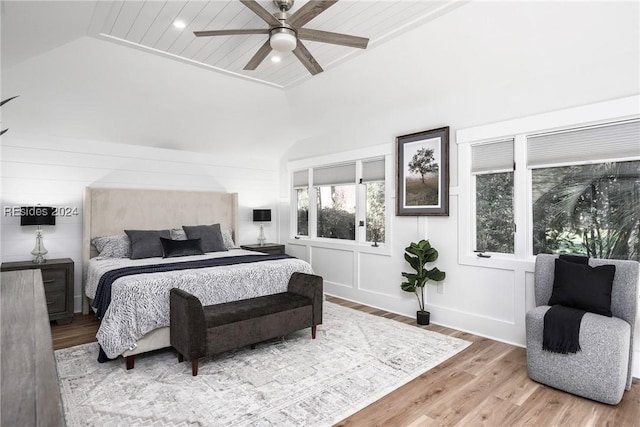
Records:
x=210, y=236
x=146, y=243
x=112, y=246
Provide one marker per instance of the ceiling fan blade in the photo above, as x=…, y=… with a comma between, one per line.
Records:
x=309, y=11
x=208, y=33
x=307, y=59
x=333, y=38
x=259, y=56
x=261, y=12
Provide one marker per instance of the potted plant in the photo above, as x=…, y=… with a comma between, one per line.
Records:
x=418, y=255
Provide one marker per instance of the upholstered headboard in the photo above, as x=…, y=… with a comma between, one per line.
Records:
x=109, y=211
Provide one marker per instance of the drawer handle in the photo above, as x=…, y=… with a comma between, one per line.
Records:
x=49, y=281
x=49, y=303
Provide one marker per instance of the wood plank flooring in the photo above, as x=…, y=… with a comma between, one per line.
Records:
x=484, y=385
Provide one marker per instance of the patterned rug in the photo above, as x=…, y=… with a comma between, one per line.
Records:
x=293, y=381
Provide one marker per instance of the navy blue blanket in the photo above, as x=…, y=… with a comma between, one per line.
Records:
x=103, y=292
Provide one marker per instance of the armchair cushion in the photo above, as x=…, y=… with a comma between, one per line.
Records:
x=598, y=372
x=583, y=287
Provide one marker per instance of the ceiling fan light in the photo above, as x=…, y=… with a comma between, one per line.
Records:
x=283, y=40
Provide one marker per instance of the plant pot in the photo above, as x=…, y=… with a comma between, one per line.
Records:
x=422, y=317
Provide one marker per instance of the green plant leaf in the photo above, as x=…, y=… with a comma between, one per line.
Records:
x=407, y=287
x=436, y=275
x=431, y=255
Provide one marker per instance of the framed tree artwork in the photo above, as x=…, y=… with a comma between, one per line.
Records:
x=423, y=173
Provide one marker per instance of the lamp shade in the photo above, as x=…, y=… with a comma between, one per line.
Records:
x=37, y=215
x=261, y=215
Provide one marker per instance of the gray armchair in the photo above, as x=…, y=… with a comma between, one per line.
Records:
x=602, y=369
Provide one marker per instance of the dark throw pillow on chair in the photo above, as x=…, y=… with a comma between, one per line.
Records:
x=583, y=287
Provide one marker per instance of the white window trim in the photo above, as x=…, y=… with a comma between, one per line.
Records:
x=602, y=112
x=358, y=155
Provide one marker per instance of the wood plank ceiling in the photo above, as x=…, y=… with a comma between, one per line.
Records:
x=150, y=25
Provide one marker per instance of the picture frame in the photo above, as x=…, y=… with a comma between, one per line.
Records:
x=422, y=173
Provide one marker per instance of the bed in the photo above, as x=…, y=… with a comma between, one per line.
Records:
x=138, y=315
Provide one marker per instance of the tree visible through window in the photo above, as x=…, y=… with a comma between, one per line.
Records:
x=375, y=212
x=592, y=210
x=302, y=197
x=336, y=210
x=494, y=212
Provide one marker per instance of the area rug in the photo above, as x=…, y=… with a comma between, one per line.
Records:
x=293, y=381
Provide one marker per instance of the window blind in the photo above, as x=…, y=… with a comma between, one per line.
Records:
x=373, y=170
x=333, y=175
x=492, y=157
x=301, y=178
x=604, y=142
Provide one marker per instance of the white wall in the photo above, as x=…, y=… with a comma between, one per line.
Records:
x=94, y=113
x=54, y=171
x=94, y=89
x=482, y=63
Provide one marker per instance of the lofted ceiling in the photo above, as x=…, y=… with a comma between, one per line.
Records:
x=149, y=25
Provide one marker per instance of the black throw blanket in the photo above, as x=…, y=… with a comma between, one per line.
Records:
x=103, y=292
x=561, y=328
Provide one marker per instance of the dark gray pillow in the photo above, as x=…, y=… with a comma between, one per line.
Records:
x=583, y=287
x=174, y=248
x=146, y=243
x=210, y=236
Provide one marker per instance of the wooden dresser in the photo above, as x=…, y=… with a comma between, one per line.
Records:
x=57, y=276
x=29, y=391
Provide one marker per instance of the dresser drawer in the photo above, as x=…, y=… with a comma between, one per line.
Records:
x=54, y=280
x=55, y=283
x=56, y=301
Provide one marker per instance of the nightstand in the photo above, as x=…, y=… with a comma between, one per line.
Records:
x=57, y=276
x=268, y=248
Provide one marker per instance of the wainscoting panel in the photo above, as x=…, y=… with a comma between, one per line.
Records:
x=377, y=275
x=334, y=265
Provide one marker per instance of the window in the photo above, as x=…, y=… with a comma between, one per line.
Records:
x=373, y=181
x=590, y=207
x=349, y=205
x=336, y=210
x=577, y=191
x=300, y=187
x=492, y=168
x=591, y=210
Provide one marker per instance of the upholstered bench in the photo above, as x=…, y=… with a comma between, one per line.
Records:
x=197, y=331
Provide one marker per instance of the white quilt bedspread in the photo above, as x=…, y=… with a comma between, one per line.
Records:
x=140, y=303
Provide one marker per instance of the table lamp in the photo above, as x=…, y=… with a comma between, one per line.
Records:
x=38, y=215
x=262, y=216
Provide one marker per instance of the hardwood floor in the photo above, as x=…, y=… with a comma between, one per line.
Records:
x=484, y=385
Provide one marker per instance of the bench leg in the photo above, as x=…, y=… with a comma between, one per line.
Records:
x=130, y=360
x=194, y=367
x=313, y=332
x=180, y=357
x=253, y=346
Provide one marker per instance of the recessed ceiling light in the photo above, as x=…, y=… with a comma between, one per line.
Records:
x=276, y=59
x=179, y=24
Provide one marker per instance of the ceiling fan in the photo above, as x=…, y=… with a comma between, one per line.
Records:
x=286, y=32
